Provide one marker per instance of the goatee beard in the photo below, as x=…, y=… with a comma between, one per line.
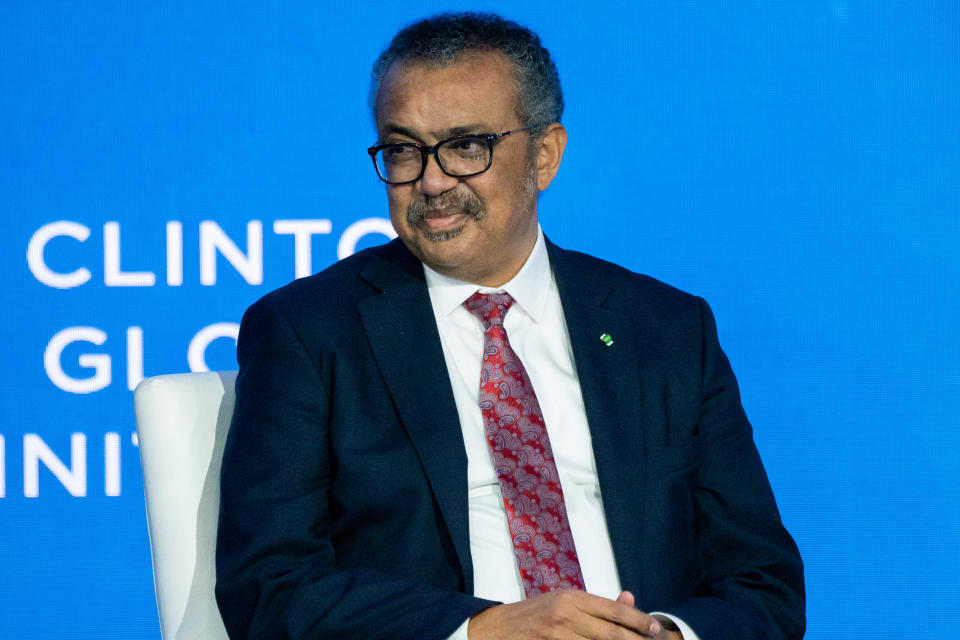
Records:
x=465, y=203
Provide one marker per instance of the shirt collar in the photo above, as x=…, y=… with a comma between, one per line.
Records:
x=528, y=288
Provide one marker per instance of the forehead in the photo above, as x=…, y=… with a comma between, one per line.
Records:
x=478, y=89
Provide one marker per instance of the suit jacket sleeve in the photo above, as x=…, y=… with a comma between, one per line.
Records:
x=277, y=567
x=750, y=579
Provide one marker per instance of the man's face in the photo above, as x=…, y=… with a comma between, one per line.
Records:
x=479, y=229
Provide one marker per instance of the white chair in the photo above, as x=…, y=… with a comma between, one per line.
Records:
x=182, y=423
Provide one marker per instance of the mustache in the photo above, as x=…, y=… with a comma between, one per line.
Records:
x=467, y=203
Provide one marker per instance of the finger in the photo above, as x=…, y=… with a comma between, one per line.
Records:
x=619, y=613
x=626, y=598
x=587, y=626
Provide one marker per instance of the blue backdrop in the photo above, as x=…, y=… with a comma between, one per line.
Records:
x=796, y=163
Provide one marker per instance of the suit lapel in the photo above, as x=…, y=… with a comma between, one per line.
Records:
x=610, y=385
x=402, y=331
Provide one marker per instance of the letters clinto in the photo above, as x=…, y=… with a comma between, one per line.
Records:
x=212, y=240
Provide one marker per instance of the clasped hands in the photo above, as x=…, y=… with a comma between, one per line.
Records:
x=568, y=615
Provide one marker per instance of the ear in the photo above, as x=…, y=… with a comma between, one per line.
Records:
x=550, y=153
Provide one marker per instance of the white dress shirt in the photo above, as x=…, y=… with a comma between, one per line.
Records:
x=538, y=334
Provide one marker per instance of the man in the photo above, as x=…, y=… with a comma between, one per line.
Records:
x=470, y=432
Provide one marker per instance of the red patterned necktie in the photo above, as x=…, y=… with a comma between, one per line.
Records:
x=522, y=458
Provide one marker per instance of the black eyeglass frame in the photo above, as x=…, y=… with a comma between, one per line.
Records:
x=425, y=151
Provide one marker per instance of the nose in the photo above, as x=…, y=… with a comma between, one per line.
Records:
x=434, y=181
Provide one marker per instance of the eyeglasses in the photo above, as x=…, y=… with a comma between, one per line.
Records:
x=458, y=157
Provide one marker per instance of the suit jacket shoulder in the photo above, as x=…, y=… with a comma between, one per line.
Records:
x=664, y=318
x=629, y=286
x=341, y=285
x=323, y=308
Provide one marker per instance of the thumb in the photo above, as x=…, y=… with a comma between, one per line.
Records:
x=626, y=598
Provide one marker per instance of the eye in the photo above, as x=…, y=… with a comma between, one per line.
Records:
x=399, y=153
x=468, y=147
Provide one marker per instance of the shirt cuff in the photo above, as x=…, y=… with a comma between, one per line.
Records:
x=461, y=632
x=682, y=626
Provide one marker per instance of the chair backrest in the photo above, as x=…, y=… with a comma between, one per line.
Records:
x=182, y=423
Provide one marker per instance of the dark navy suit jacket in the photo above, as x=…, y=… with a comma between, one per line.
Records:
x=344, y=484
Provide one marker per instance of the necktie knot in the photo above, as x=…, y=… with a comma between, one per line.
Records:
x=489, y=308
